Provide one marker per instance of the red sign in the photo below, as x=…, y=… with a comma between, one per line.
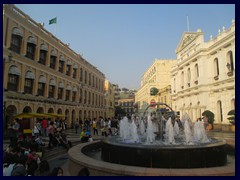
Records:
x=153, y=103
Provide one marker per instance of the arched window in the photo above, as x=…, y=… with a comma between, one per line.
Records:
x=68, y=70
x=230, y=64
x=216, y=69
x=68, y=90
x=13, y=78
x=182, y=80
x=43, y=54
x=60, y=90
x=52, y=84
x=53, y=58
x=232, y=104
x=61, y=63
x=81, y=74
x=29, y=79
x=196, y=74
x=41, y=85
x=31, y=46
x=189, y=77
x=16, y=40
x=219, y=112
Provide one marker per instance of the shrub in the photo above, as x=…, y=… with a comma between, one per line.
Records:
x=231, y=117
x=210, y=115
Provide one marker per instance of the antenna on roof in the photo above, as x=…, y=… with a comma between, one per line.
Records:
x=187, y=24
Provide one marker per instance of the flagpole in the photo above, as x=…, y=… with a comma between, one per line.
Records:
x=187, y=24
x=56, y=28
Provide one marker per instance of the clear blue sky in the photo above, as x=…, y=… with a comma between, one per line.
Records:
x=122, y=40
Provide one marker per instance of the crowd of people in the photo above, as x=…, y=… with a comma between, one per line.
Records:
x=24, y=156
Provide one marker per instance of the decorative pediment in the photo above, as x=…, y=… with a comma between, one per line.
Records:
x=186, y=39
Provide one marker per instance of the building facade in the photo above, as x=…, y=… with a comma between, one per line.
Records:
x=109, y=100
x=43, y=75
x=204, y=76
x=158, y=75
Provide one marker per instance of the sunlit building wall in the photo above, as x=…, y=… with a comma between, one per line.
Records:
x=204, y=76
x=42, y=74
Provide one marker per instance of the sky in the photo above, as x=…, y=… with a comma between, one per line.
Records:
x=123, y=40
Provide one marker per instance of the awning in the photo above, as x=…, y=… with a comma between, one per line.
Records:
x=69, y=87
x=31, y=40
x=44, y=47
x=61, y=58
x=42, y=79
x=17, y=32
x=53, y=53
x=32, y=115
x=14, y=70
x=30, y=75
x=52, y=82
x=69, y=63
x=75, y=66
x=74, y=89
x=61, y=85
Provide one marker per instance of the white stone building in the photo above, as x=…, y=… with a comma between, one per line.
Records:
x=204, y=76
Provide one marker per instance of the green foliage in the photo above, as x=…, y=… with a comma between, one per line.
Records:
x=119, y=111
x=153, y=91
x=231, y=117
x=210, y=115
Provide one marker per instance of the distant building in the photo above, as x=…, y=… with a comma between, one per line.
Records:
x=42, y=74
x=158, y=75
x=204, y=76
x=127, y=101
x=109, y=99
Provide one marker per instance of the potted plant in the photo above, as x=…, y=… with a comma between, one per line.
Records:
x=209, y=116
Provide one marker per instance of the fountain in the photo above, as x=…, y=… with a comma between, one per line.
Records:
x=157, y=144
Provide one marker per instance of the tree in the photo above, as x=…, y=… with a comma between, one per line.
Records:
x=231, y=117
x=153, y=91
x=119, y=111
x=210, y=115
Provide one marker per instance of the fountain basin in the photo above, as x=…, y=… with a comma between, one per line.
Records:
x=79, y=159
x=165, y=156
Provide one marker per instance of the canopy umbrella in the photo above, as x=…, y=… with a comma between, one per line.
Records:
x=24, y=115
x=32, y=115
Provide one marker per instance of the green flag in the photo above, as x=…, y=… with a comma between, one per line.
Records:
x=53, y=21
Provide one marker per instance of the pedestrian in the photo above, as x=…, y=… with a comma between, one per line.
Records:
x=83, y=172
x=50, y=131
x=43, y=168
x=95, y=130
x=76, y=126
x=57, y=171
x=44, y=127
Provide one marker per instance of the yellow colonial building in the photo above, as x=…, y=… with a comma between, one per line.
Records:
x=158, y=75
x=42, y=74
x=204, y=76
x=109, y=99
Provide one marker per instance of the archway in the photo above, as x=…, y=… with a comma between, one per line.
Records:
x=25, y=123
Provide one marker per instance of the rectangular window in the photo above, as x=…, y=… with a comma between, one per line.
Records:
x=51, y=91
x=41, y=87
x=43, y=56
x=60, y=93
x=28, y=86
x=12, y=82
x=52, y=62
x=30, y=51
x=61, y=65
